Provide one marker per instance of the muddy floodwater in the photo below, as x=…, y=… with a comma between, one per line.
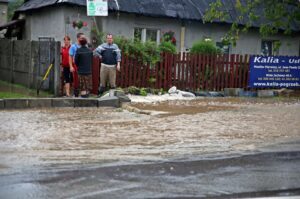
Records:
x=199, y=148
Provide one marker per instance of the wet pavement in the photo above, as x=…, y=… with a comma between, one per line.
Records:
x=203, y=148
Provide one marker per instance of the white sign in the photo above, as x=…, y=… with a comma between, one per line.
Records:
x=97, y=7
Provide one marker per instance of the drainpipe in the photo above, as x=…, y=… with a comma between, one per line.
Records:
x=182, y=40
x=118, y=8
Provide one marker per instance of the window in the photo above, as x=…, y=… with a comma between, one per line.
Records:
x=269, y=47
x=151, y=35
x=144, y=34
x=224, y=48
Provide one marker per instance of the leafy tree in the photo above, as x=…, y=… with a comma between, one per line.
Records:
x=272, y=16
x=12, y=7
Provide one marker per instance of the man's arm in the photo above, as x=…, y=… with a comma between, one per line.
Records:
x=71, y=61
x=118, y=51
x=97, y=52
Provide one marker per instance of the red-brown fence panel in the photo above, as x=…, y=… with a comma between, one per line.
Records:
x=185, y=71
x=95, y=75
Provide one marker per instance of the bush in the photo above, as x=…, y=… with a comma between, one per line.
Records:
x=133, y=90
x=143, y=92
x=167, y=46
x=204, y=47
x=148, y=51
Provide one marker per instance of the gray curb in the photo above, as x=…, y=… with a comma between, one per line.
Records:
x=59, y=103
x=1, y=104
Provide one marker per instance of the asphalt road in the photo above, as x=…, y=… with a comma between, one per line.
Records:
x=240, y=176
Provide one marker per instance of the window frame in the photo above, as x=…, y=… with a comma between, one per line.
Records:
x=273, y=52
x=221, y=48
x=144, y=34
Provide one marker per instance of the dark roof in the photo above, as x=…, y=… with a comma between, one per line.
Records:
x=182, y=9
x=13, y=23
x=3, y=1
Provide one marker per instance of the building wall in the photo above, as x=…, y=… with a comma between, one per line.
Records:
x=124, y=24
x=3, y=13
x=58, y=22
x=248, y=43
x=46, y=22
x=76, y=13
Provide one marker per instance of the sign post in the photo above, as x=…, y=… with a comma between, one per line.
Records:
x=274, y=72
x=97, y=8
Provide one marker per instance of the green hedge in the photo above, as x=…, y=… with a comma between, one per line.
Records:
x=205, y=47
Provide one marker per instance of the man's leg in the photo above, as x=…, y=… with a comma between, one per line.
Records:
x=112, y=77
x=103, y=79
x=75, y=82
x=67, y=80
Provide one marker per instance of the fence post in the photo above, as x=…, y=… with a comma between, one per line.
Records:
x=240, y=71
x=166, y=66
x=246, y=71
x=57, y=82
x=236, y=74
x=12, y=63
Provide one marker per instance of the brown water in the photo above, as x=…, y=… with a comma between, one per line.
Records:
x=186, y=130
x=178, y=149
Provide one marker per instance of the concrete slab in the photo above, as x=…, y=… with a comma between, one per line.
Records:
x=16, y=103
x=1, y=104
x=109, y=102
x=284, y=92
x=216, y=94
x=248, y=94
x=81, y=102
x=62, y=102
x=265, y=93
x=40, y=103
x=124, y=99
x=202, y=94
x=232, y=92
x=118, y=93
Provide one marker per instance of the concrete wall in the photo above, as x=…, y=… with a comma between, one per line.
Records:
x=3, y=13
x=46, y=22
x=248, y=43
x=20, y=64
x=73, y=14
x=124, y=24
x=58, y=21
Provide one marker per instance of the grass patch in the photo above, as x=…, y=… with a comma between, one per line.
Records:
x=7, y=95
x=8, y=90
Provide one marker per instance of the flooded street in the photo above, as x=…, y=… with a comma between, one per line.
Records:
x=198, y=148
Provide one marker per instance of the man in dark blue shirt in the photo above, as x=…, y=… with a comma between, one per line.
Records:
x=110, y=55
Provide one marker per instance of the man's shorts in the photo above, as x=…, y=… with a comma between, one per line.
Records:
x=85, y=82
x=68, y=77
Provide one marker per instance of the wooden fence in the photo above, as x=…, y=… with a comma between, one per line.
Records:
x=185, y=71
